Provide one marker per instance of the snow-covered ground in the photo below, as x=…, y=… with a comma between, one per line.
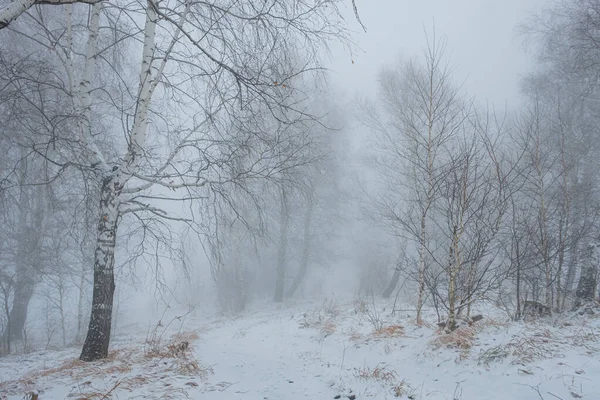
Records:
x=326, y=351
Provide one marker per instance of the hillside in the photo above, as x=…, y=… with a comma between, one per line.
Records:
x=329, y=351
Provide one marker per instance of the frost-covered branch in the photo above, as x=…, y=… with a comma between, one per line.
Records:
x=19, y=7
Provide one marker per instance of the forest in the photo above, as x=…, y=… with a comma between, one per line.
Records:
x=194, y=181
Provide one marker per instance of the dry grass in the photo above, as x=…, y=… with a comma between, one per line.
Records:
x=331, y=308
x=360, y=305
x=391, y=331
x=192, y=368
x=324, y=319
x=66, y=368
x=401, y=389
x=135, y=381
x=328, y=328
x=118, y=369
x=177, y=349
x=355, y=336
x=528, y=346
x=379, y=373
x=178, y=352
x=95, y=394
x=386, y=376
x=188, y=336
x=539, y=345
x=156, y=360
x=461, y=338
x=177, y=346
x=586, y=337
x=488, y=321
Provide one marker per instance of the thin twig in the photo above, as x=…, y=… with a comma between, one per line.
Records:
x=110, y=391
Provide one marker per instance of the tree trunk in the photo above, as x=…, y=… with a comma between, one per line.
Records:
x=518, y=260
x=573, y=263
x=81, y=297
x=586, y=288
x=587, y=284
x=394, y=282
x=98, y=336
x=24, y=288
x=281, y=253
x=61, y=308
x=560, y=292
x=422, y=248
x=305, y=250
x=29, y=268
x=470, y=283
x=454, y=268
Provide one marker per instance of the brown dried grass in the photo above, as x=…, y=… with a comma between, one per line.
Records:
x=386, y=376
x=328, y=328
x=488, y=321
x=391, y=331
x=120, y=362
x=526, y=347
x=192, y=368
x=68, y=367
x=356, y=336
x=460, y=338
x=188, y=336
x=380, y=373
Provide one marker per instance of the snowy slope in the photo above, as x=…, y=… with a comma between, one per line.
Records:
x=320, y=353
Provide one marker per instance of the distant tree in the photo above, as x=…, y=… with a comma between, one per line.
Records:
x=420, y=111
x=563, y=90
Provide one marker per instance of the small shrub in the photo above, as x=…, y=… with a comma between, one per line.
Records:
x=374, y=316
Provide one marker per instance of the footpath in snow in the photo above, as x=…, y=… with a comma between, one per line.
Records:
x=332, y=351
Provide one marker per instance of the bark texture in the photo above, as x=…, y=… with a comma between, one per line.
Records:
x=98, y=336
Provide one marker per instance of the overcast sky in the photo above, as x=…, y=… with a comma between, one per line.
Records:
x=484, y=45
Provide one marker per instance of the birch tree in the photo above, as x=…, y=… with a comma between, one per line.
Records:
x=186, y=122
x=421, y=110
x=473, y=201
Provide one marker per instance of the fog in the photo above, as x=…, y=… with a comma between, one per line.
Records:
x=486, y=49
x=217, y=159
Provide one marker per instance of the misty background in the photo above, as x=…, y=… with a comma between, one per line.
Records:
x=309, y=189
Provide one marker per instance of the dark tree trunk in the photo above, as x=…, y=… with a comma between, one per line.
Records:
x=573, y=243
x=18, y=313
x=305, y=250
x=29, y=260
x=281, y=252
x=518, y=262
x=586, y=288
x=98, y=335
x=393, y=283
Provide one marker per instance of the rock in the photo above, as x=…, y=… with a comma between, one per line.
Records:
x=476, y=318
